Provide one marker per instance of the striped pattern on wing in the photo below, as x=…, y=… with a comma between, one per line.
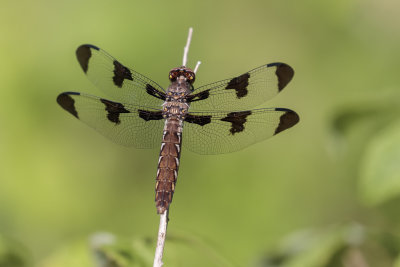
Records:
x=116, y=80
x=124, y=124
x=242, y=92
x=225, y=132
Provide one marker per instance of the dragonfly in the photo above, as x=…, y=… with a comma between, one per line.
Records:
x=215, y=118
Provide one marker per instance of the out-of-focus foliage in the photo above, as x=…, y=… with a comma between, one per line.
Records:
x=13, y=254
x=335, y=246
x=74, y=253
x=375, y=124
x=380, y=169
x=106, y=250
x=61, y=182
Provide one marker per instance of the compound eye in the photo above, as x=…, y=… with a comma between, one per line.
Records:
x=172, y=75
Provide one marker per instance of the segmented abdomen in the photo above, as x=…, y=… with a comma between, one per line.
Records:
x=168, y=164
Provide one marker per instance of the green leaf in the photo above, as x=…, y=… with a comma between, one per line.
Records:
x=337, y=246
x=315, y=248
x=112, y=252
x=380, y=167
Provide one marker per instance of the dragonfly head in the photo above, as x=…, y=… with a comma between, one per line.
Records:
x=182, y=71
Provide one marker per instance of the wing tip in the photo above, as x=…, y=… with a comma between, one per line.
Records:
x=83, y=54
x=284, y=72
x=67, y=102
x=287, y=120
x=88, y=46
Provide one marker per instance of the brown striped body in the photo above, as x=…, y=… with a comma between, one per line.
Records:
x=174, y=110
x=168, y=164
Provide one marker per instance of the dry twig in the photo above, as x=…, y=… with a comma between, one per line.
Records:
x=162, y=230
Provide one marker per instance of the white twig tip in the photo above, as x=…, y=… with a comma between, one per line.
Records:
x=186, y=49
x=197, y=66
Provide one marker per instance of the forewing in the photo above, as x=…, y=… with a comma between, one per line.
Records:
x=221, y=132
x=124, y=124
x=242, y=92
x=116, y=80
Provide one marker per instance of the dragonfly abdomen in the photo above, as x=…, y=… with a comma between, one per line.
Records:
x=168, y=164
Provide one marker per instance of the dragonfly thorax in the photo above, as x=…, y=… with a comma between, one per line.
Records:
x=175, y=105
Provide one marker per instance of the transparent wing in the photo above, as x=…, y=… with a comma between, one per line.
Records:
x=125, y=124
x=243, y=92
x=222, y=132
x=116, y=80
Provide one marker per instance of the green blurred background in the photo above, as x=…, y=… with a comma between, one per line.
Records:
x=60, y=181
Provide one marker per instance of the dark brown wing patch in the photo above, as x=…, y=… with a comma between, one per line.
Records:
x=68, y=103
x=83, y=54
x=150, y=115
x=284, y=73
x=199, y=96
x=198, y=119
x=154, y=92
x=114, y=109
x=239, y=84
x=237, y=119
x=121, y=73
x=287, y=120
